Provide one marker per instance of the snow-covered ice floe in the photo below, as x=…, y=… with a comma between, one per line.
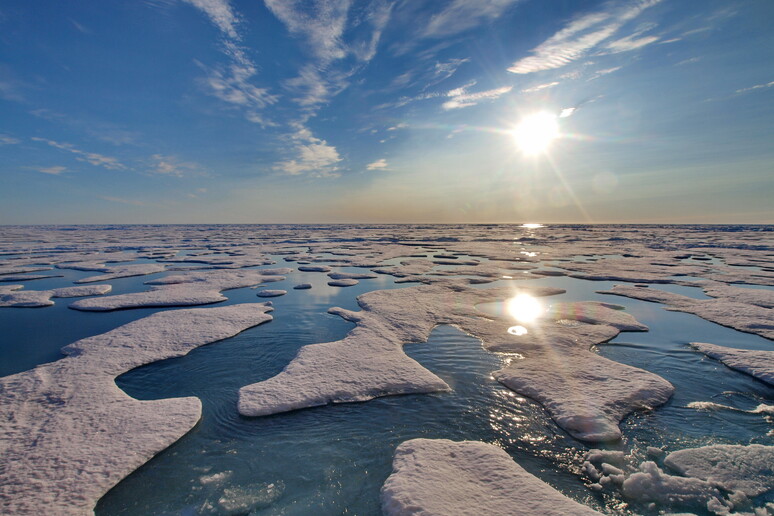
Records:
x=189, y=289
x=728, y=311
x=585, y=394
x=717, y=478
x=759, y=364
x=69, y=433
x=12, y=295
x=438, y=477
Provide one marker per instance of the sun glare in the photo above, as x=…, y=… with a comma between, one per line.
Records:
x=535, y=133
x=524, y=308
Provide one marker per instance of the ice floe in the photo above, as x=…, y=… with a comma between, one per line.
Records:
x=759, y=364
x=271, y=293
x=726, y=311
x=12, y=296
x=192, y=288
x=69, y=433
x=438, y=477
x=586, y=394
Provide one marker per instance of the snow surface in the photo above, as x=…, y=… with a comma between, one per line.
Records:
x=727, y=311
x=271, y=293
x=438, y=477
x=192, y=288
x=12, y=296
x=69, y=433
x=759, y=364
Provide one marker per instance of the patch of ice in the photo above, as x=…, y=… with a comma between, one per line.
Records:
x=343, y=282
x=69, y=433
x=12, y=296
x=749, y=469
x=271, y=293
x=193, y=288
x=438, y=477
x=759, y=364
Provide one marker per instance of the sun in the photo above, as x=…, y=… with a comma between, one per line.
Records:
x=535, y=132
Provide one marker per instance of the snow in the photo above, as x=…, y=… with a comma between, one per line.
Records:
x=125, y=271
x=314, y=268
x=447, y=478
x=69, y=433
x=12, y=296
x=347, y=282
x=584, y=393
x=271, y=293
x=717, y=478
x=759, y=364
x=749, y=469
x=192, y=288
x=726, y=311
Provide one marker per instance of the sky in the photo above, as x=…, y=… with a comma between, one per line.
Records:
x=381, y=111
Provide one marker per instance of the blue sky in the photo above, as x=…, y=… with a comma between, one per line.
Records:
x=195, y=111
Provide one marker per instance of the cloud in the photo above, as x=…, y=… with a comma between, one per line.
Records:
x=756, y=87
x=172, y=166
x=332, y=31
x=539, y=87
x=220, y=13
x=314, y=157
x=120, y=200
x=379, y=164
x=8, y=140
x=581, y=36
x=462, y=15
x=233, y=83
x=630, y=43
x=98, y=160
x=460, y=98
x=54, y=171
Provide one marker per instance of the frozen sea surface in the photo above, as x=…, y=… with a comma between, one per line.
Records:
x=335, y=459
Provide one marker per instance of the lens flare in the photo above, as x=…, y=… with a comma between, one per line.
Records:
x=535, y=133
x=524, y=308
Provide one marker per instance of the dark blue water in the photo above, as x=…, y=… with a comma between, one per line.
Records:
x=334, y=459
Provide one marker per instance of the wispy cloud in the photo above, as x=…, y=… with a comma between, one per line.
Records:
x=8, y=140
x=234, y=84
x=540, y=87
x=331, y=31
x=220, y=13
x=582, y=35
x=54, y=171
x=460, y=97
x=756, y=87
x=461, y=15
x=98, y=160
x=315, y=157
x=172, y=166
x=379, y=164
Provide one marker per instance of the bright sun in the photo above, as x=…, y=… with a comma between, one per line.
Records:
x=535, y=133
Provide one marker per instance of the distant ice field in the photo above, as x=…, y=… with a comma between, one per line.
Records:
x=335, y=458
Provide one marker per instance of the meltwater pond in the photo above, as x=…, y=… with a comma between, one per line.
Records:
x=334, y=459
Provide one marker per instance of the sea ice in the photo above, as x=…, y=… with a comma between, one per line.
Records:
x=15, y=297
x=585, y=394
x=192, y=288
x=69, y=433
x=759, y=364
x=271, y=293
x=438, y=477
x=346, y=282
x=726, y=311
